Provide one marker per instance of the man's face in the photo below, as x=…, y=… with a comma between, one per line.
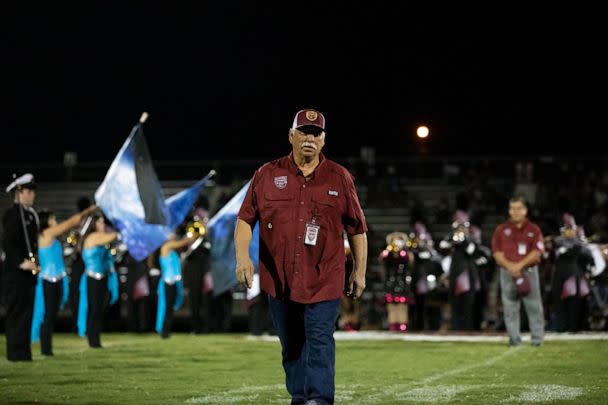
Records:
x=26, y=197
x=306, y=142
x=517, y=211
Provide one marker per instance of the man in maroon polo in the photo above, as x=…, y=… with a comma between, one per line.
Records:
x=517, y=246
x=303, y=203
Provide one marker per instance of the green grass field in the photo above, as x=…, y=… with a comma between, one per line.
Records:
x=231, y=369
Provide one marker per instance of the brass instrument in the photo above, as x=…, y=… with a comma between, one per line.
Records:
x=195, y=229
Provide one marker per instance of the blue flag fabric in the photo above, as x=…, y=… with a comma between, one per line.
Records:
x=221, y=234
x=132, y=198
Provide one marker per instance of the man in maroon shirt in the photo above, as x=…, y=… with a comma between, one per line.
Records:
x=517, y=245
x=303, y=203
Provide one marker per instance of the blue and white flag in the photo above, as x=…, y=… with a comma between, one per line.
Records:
x=132, y=198
x=221, y=234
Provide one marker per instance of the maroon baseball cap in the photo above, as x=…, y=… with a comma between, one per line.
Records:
x=309, y=117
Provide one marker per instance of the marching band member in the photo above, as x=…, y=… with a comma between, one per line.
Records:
x=171, y=286
x=100, y=275
x=20, y=243
x=397, y=263
x=573, y=262
x=52, y=287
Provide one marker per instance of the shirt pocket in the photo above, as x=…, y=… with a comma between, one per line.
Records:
x=278, y=207
x=326, y=210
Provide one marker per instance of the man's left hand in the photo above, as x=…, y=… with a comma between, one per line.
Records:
x=356, y=284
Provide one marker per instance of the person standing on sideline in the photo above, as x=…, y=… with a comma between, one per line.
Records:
x=517, y=246
x=99, y=276
x=303, y=203
x=20, y=244
x=52, y=288
x=171, y=287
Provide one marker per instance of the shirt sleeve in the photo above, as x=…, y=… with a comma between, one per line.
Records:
x=353, y=218
x=13, y=230
x=497, y=240
x=539, y=241
x=249, y=208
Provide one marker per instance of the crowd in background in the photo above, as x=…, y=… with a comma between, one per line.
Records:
x=552, y=188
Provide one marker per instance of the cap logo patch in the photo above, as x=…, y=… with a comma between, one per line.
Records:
x=280, y=182
x=311, y=115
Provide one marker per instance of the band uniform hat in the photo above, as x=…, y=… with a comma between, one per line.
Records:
x=522, y=285
x=309, y=117
x=21, y=182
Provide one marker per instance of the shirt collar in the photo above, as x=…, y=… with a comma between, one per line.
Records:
x=514, y=225
x=294, y=169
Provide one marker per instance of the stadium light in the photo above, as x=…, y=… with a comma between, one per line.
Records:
x=422, y=131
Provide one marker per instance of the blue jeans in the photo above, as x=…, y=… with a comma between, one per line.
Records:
x=306, y=332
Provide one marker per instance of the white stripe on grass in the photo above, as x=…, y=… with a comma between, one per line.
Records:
x=430, y=394
x=543, y=393
x=242, y=394
x=406, y=388
x=440, y=393
x=278, y=392
x=424, y=337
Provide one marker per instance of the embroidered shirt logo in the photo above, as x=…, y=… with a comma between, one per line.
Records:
x=280, y=182
x=333, y=192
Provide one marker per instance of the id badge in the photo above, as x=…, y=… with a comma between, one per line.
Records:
x=521, y=249
x=312, y=231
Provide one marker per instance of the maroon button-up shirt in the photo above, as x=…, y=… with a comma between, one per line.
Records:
x=284, y=203
x=516, y=243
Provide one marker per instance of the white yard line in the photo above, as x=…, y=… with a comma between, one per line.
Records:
x=404, y=389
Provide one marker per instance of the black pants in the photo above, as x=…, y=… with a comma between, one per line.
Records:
x=259, y=315
x=195, y=298
x=77, y=269
x=96, y=294
x=419, y=311
x=222, y=312
x=138, y=313
x=463, y=310
x=19, y=287
x=170, y=295
x=52, y=300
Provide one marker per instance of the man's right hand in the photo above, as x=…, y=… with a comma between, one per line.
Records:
x=244, y=271
x=514, y=269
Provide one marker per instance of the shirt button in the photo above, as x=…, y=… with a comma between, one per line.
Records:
x=299, y=237
x=301, y=220
x=302, y=202
x=270, y=225
x=303, y=185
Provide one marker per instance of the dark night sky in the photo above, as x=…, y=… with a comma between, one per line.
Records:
x=224, y=79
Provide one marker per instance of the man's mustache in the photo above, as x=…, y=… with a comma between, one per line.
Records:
x=309, y=144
